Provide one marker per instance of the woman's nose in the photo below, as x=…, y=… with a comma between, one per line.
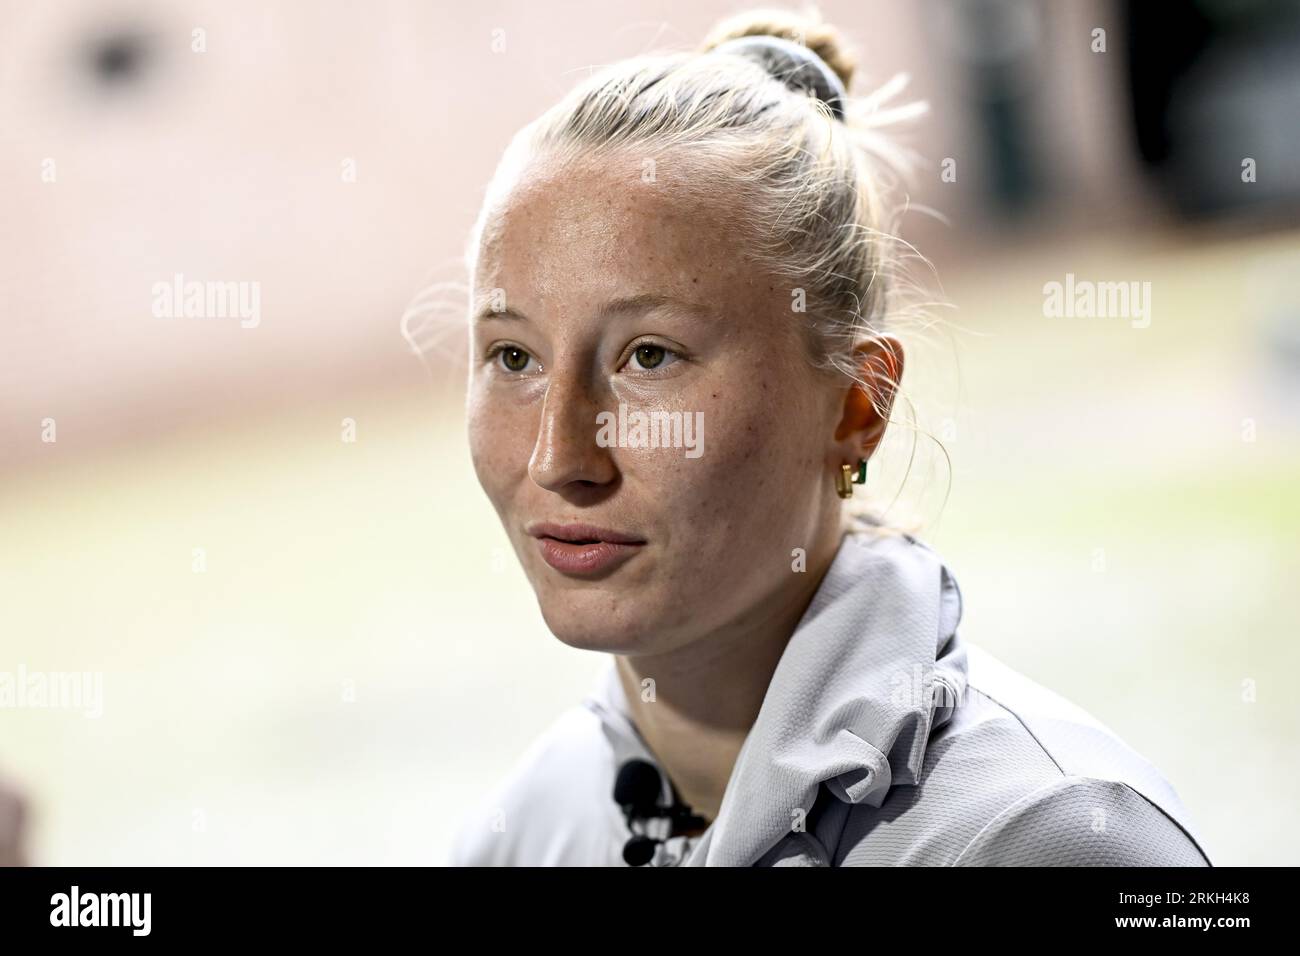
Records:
x=566, y=453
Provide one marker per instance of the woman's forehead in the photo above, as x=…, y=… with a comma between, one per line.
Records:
x=611, y=212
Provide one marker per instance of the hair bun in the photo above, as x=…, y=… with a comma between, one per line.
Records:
x=808, y=31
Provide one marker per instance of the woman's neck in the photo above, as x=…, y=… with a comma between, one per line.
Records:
x=707, y=694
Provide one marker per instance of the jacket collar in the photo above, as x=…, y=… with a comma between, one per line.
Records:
x=872, y=670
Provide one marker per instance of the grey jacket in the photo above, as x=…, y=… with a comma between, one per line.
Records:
x=883, y=739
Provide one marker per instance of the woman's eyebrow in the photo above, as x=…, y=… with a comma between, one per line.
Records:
x=615, y=308
x=644, y=303
x=488, y=312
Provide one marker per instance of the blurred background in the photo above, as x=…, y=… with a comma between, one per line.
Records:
x=265, y=541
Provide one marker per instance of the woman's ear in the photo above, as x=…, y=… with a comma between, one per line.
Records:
x=867, y=404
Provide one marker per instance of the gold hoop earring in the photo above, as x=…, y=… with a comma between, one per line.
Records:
x=845, y=479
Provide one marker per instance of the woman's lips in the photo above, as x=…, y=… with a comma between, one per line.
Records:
x=582, y=548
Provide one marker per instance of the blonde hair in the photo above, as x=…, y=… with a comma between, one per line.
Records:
x=818, y=195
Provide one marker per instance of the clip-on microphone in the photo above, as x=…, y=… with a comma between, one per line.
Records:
x=637, y=791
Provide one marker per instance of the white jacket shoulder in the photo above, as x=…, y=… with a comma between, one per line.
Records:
x=547, y=810
x=1109, y=804
x=1082, y=821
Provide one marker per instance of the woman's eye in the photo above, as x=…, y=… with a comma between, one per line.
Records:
x=513, y=358
x=649, y=357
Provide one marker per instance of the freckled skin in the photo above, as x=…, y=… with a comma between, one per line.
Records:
x=563, y=242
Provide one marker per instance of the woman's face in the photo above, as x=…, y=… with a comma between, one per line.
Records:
x=597, y=297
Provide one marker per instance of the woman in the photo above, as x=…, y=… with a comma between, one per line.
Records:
x=681, y=363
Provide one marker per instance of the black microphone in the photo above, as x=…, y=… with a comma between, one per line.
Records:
x=638, y=786
x=637, y=789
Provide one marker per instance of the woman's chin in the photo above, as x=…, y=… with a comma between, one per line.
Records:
x=592, y=626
